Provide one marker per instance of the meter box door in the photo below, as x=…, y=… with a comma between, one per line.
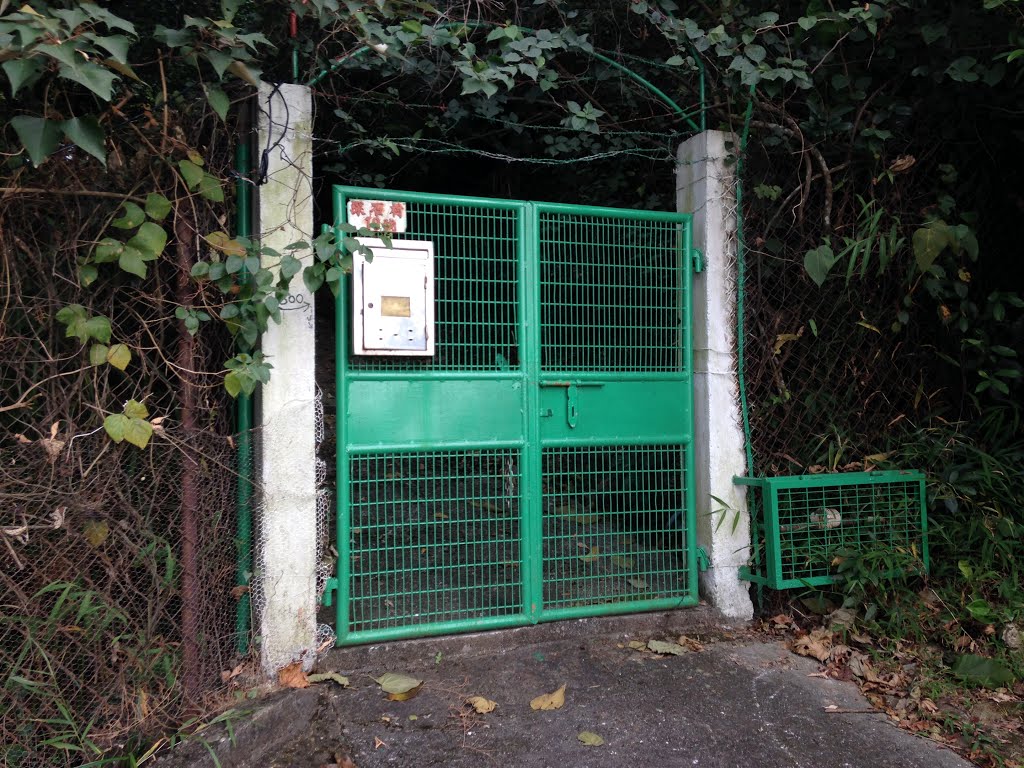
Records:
x=393, y=299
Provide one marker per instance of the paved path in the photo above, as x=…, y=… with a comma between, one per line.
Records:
x=739, y=703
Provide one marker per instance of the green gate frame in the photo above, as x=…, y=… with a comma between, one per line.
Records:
x=533, y=380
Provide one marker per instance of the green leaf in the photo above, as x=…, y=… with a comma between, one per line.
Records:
x=108, y=249
x=87, y=274
x=97, y=328
x=133, y=409
x=150, y=240
x=199, y=270
x=133, y=216
x=932, y=32
x=20, y=72
x=219, y=61
x=157, y=206
x=929, y=241
x=131, y=260
x=97, y=79
x=290, y=266
x=119, y=356
x=675, y=61
x=818, y=262
x=98, y=354
x=232, y=384
x=209, y=187
x=218, y=101
x=191, y=172
x=978, y=669
x=313, y=277
x=117, y=45
x=38, y=135
x=756, y=53
x=138, y=432
x=115, y=425
x=807, y=22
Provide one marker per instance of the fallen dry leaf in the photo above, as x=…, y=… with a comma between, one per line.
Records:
x=817, y=644
x=546, y=701
x=333, y=677
x=481, y=705
x=399, y=687
x=590, y=738
x=230, y=674
x=378, y=742
x=637, y=645
x=292, y=676
x=690, y=644
x=665, y=648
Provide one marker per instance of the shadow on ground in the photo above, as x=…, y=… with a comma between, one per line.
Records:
x=738, y=702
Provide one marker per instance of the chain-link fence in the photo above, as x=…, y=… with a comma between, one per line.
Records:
x=96, y=593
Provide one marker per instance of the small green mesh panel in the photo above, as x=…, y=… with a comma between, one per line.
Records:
x=802, y=523
x=475, y=265
x=434, y=537
x=613, y=524
x=611, y=294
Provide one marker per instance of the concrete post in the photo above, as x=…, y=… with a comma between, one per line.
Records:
x=285, y=598
x=706, y=187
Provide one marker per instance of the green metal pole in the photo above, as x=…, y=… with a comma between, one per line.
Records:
x=244, y=425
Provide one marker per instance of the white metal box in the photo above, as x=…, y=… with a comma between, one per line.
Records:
x=393, y=299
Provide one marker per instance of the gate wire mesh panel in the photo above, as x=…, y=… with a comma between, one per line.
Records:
x=610, y=294
x=434, y=537
x=475, y=288
x=613, y=524
x=809, y=521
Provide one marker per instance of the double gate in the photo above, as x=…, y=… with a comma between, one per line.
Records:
x=537, y=465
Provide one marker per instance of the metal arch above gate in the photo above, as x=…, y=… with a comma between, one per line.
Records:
x=528, y=457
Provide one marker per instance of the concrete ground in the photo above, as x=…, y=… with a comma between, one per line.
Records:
x=738, y=702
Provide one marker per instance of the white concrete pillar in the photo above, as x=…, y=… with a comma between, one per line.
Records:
x=706, y=187
x=285, y=595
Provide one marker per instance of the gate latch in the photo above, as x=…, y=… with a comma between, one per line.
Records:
x=698, y=261
x=572, y=410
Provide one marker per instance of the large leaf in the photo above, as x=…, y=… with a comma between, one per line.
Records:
x=133, y=216
x=132, y=260
x=38, y=135
x=150, y=240
x=138, y=432
x=818, y=262
x=20, y=72
x=218, y=100
x=116, y=44
x=191, y=172
x=107, y=250
x=87, y=133
x=157, y=206
x=978, y=669
x=115, y=425
x=133, y=409
x=209, y=187
x=94, y=77
x=929, y=241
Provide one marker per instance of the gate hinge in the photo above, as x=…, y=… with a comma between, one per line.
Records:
x=703, y=562
x=698, y=261
x=330, y=587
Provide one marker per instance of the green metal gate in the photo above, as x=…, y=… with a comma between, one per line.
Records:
x=537, y=466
